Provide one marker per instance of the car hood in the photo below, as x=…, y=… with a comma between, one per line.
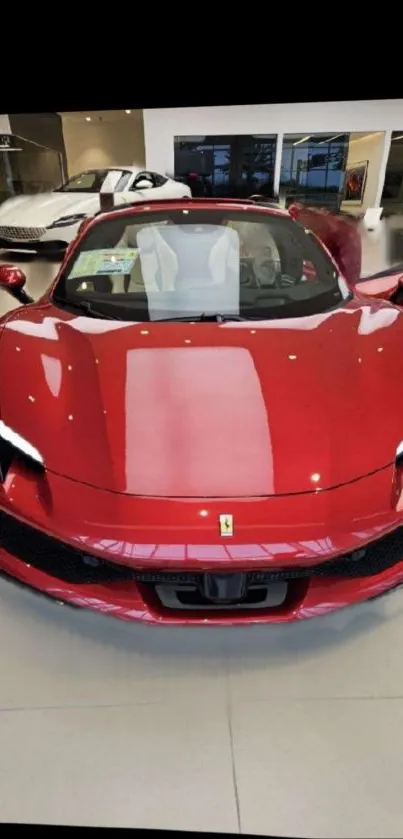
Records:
x=44, y=209
x=182, y=410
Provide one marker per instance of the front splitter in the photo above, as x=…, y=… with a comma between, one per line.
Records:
x=130, y=601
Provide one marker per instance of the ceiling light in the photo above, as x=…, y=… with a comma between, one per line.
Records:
x=400, y=137
x=330, y=140
x=304, y=139
x=128, y=112
x=88, y=119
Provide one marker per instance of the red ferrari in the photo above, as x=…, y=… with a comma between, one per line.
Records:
x=201, y=422
x=338, y=232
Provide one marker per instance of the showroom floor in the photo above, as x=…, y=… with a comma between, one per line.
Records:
x=293, y=730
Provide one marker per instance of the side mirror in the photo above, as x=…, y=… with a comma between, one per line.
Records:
x=380, y=288
x=143, y=183
x=294, y=210
x=12, y=279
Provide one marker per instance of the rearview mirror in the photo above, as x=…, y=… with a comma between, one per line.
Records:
x=13, y=280
x=381, y=288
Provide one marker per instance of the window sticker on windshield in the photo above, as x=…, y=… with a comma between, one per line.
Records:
x=101, y=262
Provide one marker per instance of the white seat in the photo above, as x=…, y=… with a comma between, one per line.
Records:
x=158, y=265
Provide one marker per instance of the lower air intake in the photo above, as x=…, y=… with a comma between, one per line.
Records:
x=72, y=565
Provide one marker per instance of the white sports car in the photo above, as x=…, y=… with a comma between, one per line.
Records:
x=49, y=221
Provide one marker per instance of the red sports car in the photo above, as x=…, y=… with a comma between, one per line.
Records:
x=201, y=422
x=338, y=232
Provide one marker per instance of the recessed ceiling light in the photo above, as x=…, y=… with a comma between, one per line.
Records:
x=88, y=119
x=128, y=112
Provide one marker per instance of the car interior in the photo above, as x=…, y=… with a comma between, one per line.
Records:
x=203, y=267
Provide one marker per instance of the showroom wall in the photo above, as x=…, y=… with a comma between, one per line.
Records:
x=161, y=126
x=366, y=148
x=102, y=139
x=4, y=124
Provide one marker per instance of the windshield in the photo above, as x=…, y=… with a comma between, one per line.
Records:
x=90, y=181
x=178, y=264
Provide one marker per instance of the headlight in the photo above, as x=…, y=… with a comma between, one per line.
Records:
x=65, y=221
x=17, y=442
x=399, y=451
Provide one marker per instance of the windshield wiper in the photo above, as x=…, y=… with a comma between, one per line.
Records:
x=87, y=307
x=212, y=318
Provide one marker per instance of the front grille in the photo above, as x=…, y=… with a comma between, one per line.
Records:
x=185, y=597
x=74, y=566
x=22, y=234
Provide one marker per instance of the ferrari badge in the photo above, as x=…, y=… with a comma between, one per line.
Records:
x=226, y=525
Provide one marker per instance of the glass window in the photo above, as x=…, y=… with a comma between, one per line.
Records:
x=392, y=195
x=312, y=168
x=173, y=265
x=234, y=166
x=159, y=180
x=90, y=181
x=123, y=182
x=153, y=178
x=28, y=169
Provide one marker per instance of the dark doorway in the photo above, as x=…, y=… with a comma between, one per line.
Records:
x=392, y=195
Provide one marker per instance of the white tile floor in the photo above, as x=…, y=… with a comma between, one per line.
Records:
x=294, y=730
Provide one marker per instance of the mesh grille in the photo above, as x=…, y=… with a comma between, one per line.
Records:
x=71, y=565
x=22, y=234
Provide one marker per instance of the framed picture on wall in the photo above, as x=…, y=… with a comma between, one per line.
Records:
x=354, y=182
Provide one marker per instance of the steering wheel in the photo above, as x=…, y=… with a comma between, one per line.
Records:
x=145, y=176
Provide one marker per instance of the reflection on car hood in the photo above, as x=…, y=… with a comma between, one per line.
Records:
x=44, y=209
x=213, y=410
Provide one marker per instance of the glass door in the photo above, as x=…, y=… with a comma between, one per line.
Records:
x=313, y=167
x=234, y=166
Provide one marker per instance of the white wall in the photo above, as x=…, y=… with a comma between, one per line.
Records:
x=4, y=124
x=161, y=125
x=370, y=148
x=99, y=144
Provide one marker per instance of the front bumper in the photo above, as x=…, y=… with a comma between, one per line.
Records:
x=134, y=595
x=104, y=562
x=37, y=239
x=38, y=247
